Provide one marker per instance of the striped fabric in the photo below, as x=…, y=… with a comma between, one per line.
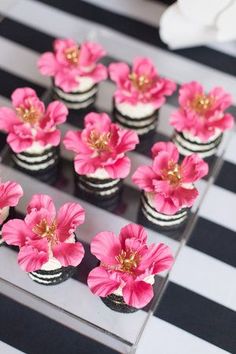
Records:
x=196, y=313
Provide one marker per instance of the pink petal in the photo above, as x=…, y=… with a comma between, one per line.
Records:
x=8, y=118
x=128, y=141
x=226, y=122
x=84, y=164
x=161, y=186
x=119, y=72
x=144, y=66
x=69, y=254
x=166, y=204
x=14, y=232
x=98, y=121
x=73, y=142
x=132, y=231
x=57, y=111
x=69, y=216
x=222, y=99
x=47, y=64
x=90, y=53
x=168, y=147
x=193, y=168
x=158, y=258
x=98, y=74
x=42, y=201
x=106, y=246
x=185, y=197
x=66, y=80
x=120, y=168
x=10, y=193
x=137, y=293
x=101, y=282
x=36, y=216
x=21, y=94
x=188, y=91
x=31, y=257
x=144, y=177
x=20, y=138
x=52, y=137
x=161, y=162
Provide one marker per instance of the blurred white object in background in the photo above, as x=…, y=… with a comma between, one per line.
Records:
x=188, y=23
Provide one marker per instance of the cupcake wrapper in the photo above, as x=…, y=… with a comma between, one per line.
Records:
x=187, y=146
x=53, y=277
x=116, y=303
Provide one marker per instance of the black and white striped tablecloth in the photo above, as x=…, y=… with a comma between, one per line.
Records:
x=197, y=312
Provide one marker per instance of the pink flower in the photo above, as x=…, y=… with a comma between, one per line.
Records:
x=30, y=122
x=70, y=62
x=171, y=183
x=101, y=144
x=202, y=114
x=43, y=234
x=126, y=262
x=10, y=194
x=141, y=84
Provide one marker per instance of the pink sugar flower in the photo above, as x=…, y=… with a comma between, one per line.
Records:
x=171, y=183
x=10, y=194
x=69, y=62
x=200, y=114
x=30, y=122
x=126, y=264
x=44, y=234
x=101, y=144
x=141, y=84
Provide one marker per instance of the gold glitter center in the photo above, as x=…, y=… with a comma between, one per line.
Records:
x=202, y=103
x=28, y=115
x=72, y=55
x=141, y=83
x=44, y=229
x=172, y=174
x=99, y=142
x=129, y=260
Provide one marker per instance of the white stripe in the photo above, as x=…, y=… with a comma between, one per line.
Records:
x=162, y=337
x=206, y=276
x=119, y=45
x=7, y=349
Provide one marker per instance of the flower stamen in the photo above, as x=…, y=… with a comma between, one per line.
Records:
x=72, y=55
x=202, y=103
x=99, y=142
x=129, y=261
x=28, y=115
x=141, y=83
x=44, y=229
x=172, y=174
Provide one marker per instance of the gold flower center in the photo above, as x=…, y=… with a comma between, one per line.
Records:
x=72, y=55
x=172, y=174
x=99, y=142
x=202, y=103
x=28, y=115
x=129, y=260
x=141, y=83
x=44, y=229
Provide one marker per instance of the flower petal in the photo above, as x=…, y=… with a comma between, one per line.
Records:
x=120, y=168
x=69, y=216
x=69, y=254
x=119, y=72
x=57, y=112
x=47, y=64
x=15, y=232
x=185, y=197
x=193, y=168
x=168, y=147
x=20, y=94
x=10, y=193
x=157, y=258
x=128, y=140
x=101, y=282
x=73, y=142
x=166, y=205
x=32, y=256
x=8, y=118
x=144, y=177
x=132, y=231
x=106, y=246
x=137, y=293
x=41, y=201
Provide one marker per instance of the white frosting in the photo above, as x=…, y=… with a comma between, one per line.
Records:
x=135, y=124
x=187, y=148
x=141, y=131
x=100, y=173
x=186, y=152
x=101, y=193
x=103, y=185
x=85, y=83
x=163, y=223
x=37, y=167
x=41, y=280
x=79, y=105
x=73, y=98
x=37, y=148
x=149, y=280
x=4, y=212
x=196, y=139
x=140, y=110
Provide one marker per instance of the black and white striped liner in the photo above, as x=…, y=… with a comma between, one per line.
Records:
x=194, y=290
x=52, y=277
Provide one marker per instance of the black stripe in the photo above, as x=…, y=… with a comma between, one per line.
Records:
x=227, y=177
x=198, y=315
x=214, y=240
x=144, y=32
x=3, y=138
x=33, y=333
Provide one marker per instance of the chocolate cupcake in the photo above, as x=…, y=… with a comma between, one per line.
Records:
x=168, y=190
x=100, y=163
x=200, y=119
x=75, y=71
x=139, y=94
x=32, y=133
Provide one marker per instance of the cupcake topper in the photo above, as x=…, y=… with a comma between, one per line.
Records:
x=10, y=194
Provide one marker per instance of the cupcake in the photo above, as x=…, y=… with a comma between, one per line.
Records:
x=168, y=190
x=10, y=194
x=100, y=162
x=127, y=268
x=75, y=71
x=48, y=249
x=140, y=92
x=32, y=133
x=200, y=119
